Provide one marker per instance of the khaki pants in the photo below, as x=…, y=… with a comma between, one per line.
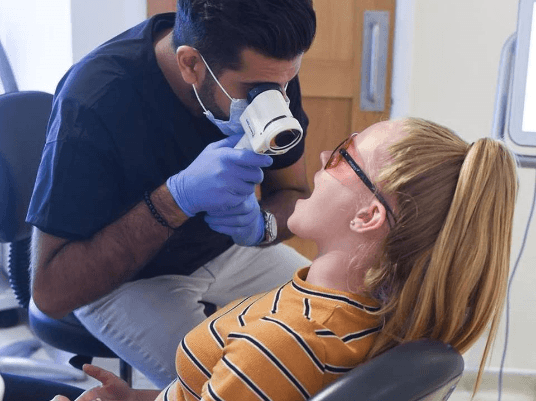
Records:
x=144, y=321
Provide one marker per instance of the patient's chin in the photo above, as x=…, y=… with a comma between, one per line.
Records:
x=291, y=223
x=296, y=223
x=299, y=226
x=301, y=222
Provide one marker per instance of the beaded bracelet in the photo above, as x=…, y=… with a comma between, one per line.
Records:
x=154, y=212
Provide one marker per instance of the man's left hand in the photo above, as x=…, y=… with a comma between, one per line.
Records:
x=244, y=223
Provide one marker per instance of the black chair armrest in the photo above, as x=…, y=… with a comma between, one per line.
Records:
x=408, y=372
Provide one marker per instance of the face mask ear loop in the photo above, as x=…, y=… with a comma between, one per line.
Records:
x=284, y=93
x=199, y=99
x=193, y=86
x=214, y=76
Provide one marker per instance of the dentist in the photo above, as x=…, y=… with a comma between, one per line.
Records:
x=143, y=211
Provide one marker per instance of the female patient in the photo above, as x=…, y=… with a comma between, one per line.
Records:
x=413, y=227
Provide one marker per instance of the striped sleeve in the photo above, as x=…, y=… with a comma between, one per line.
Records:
x=170, y=392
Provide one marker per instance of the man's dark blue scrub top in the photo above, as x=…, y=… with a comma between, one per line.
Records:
x=118, y=130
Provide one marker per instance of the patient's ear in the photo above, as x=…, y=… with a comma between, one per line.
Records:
x=368, y=219
x=191, y=65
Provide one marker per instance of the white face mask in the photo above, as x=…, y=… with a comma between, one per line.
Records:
x=233, y=125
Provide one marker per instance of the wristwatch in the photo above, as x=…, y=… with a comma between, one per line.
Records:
x=270, y=227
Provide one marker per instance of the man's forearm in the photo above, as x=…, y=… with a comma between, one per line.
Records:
x=281, y=204
x=79, y=272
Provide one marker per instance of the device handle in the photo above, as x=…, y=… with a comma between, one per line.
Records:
x=244, y=143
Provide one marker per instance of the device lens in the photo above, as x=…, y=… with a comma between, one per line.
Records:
x=285, y=139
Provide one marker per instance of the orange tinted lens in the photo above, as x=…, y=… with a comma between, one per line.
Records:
x=336, y=157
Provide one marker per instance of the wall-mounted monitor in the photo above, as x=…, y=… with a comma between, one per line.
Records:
x=522, y=118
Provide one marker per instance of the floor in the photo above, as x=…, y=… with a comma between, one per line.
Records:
x=11, y=337
x=48, y=355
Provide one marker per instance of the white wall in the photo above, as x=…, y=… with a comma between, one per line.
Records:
x=96, y=21
x=448, y=74
x=43, y=39
x=403, y=57
x=36, y=36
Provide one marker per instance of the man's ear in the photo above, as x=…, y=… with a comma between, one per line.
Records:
x=190, y=64
x=370, y=218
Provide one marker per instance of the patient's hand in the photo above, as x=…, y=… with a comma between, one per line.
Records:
x=112, y=389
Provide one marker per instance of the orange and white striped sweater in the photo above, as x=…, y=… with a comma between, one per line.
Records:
x=285, y=344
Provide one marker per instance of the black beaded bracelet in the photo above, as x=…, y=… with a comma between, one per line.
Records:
x=154, y=212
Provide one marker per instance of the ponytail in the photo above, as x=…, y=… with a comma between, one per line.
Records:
x=444, y=271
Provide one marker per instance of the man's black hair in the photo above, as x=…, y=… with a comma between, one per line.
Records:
x=221, y=29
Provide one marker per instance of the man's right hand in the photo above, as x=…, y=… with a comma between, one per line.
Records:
x=219, y=178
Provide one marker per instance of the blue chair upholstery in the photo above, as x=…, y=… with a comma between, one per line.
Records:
x=23, y=120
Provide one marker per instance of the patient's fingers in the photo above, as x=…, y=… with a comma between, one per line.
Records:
x=102, y=375
x=113, y=388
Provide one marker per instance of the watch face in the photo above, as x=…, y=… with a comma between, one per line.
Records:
x=271, y=222
x=270, y=227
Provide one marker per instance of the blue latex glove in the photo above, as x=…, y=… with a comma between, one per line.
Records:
x=244, y=223
x=220, y=178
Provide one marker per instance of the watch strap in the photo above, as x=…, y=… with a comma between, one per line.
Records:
x=270, y=227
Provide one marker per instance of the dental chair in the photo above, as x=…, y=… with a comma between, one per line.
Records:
x=421, y=370
x=23, y=120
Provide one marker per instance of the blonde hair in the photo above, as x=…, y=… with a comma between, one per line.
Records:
x=444, y=269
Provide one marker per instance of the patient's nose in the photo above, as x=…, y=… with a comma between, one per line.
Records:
x=324, y=157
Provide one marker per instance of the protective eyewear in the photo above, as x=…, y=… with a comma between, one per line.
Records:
x=339, y=153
